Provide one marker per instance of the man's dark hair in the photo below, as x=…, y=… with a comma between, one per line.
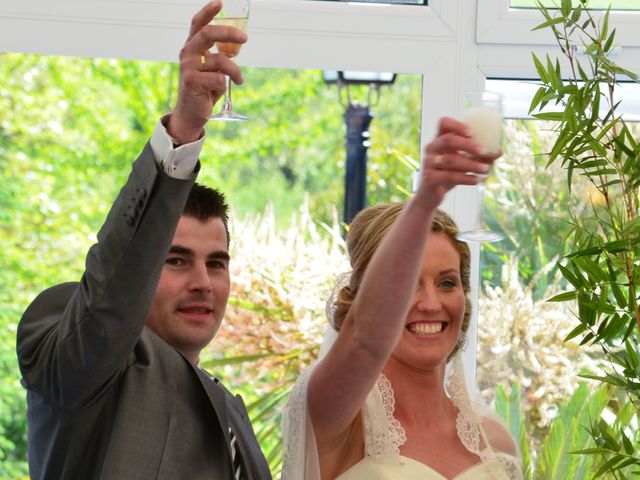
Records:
x=205, y=203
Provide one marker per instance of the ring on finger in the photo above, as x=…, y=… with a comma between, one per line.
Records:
x=203, y=63
x=438, y=162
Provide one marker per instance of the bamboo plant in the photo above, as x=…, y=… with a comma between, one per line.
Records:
x=603, y=268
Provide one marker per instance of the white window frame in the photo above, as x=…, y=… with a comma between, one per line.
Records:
x=498, y=23
x=505, y=40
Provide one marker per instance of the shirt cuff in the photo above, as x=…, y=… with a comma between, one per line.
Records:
x=180, y=162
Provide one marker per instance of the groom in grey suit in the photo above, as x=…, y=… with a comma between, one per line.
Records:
x=110, y=363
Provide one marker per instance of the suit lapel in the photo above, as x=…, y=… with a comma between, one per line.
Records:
x=253, y=461
x=217, y=397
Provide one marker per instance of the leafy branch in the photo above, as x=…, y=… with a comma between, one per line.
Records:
x=594, y=141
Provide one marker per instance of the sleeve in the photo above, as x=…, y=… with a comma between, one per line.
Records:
x=178, y=162
x=74, y=339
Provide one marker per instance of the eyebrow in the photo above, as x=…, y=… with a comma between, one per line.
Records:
x=448, y=271
x=218, y=254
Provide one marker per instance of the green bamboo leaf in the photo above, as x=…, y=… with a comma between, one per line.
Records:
x=561, y=141
x=592, y=451
x=587, y=338
x=575, y=332
x=606, y=466
x=628, y=446
x=575, y=16
x=583, y=75
x=632, y=228
x=631, y=355
x=630, y=329
x=618, y=246
x=621, y=300
x=549, y=23
x=593, y=163
x=563, y=297
x=571, y=278
x=537, y=98
x=553, y=116
x=605, y=24
x=606, y=379
x=607, y=46
x=565, y=7
x=602, y=171
x=587, y=252
x=551, y=70
x=614, y=328
x=540, y=69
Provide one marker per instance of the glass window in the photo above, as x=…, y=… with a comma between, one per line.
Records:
x=520, y=334
x=390, y=2
x=502, y=21
x=593, y=4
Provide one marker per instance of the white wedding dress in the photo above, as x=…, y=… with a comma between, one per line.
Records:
x=383, y=436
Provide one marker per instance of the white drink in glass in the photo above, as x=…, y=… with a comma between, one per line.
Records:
x=483, y=116
x=485, y=124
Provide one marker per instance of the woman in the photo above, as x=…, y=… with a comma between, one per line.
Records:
x=378, y=405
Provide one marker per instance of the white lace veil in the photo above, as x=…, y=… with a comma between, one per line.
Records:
x=383, y=434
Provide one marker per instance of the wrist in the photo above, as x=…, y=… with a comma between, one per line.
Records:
x=182, y=132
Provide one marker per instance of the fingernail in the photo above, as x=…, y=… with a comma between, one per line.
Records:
x=482, y=151
x=485, y=168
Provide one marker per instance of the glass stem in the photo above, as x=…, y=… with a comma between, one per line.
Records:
x=227, y=107
x=480, y=208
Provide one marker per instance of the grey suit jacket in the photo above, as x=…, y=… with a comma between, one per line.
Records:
x=108, y=398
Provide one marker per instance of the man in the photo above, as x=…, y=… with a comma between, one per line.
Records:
x=110, y=364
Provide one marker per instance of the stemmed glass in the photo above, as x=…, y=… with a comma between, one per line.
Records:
x=236, y=14
x=483, y=115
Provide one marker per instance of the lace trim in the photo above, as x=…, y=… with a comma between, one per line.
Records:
x=467, y=421
x=396, y=430
x=468, y=425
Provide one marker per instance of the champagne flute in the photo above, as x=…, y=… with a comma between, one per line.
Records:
x=236, y=14
x=483, y=115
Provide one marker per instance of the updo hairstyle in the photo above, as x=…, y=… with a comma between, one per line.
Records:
x=367, y=230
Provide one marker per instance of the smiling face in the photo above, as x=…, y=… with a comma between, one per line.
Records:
x=433, y=324
x=194, y=287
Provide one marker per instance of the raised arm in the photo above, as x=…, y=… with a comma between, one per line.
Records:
x=75, y=338
x=341, y=381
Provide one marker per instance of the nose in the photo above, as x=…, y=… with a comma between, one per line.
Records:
x=199, y=279
x=427, y=299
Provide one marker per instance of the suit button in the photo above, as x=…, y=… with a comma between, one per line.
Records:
x=142, y=192
x=129, y=219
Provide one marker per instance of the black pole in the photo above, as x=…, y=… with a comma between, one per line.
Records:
x=357, y=119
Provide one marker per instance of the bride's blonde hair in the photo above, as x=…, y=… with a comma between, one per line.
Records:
x=367, y=230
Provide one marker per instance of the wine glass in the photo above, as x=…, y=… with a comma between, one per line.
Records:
x=483, y=115
x=236, y=14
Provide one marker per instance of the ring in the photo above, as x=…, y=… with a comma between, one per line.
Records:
x=438, y=162
x=203, y=63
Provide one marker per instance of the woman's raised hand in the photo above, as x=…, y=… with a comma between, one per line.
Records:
x=449, y=160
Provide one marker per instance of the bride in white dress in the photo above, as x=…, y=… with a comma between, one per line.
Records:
x=387, y=399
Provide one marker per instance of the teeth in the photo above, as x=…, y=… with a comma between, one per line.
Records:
x=426, y=328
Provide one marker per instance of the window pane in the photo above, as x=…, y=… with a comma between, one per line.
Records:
x=391, y=2
x=593, y=4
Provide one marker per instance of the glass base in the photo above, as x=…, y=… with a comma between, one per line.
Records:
x=229, y=115
x=480, y=235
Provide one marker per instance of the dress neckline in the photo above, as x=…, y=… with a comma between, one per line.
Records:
x=459, y=476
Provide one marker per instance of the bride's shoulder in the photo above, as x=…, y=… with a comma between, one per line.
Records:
x=499, y=437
